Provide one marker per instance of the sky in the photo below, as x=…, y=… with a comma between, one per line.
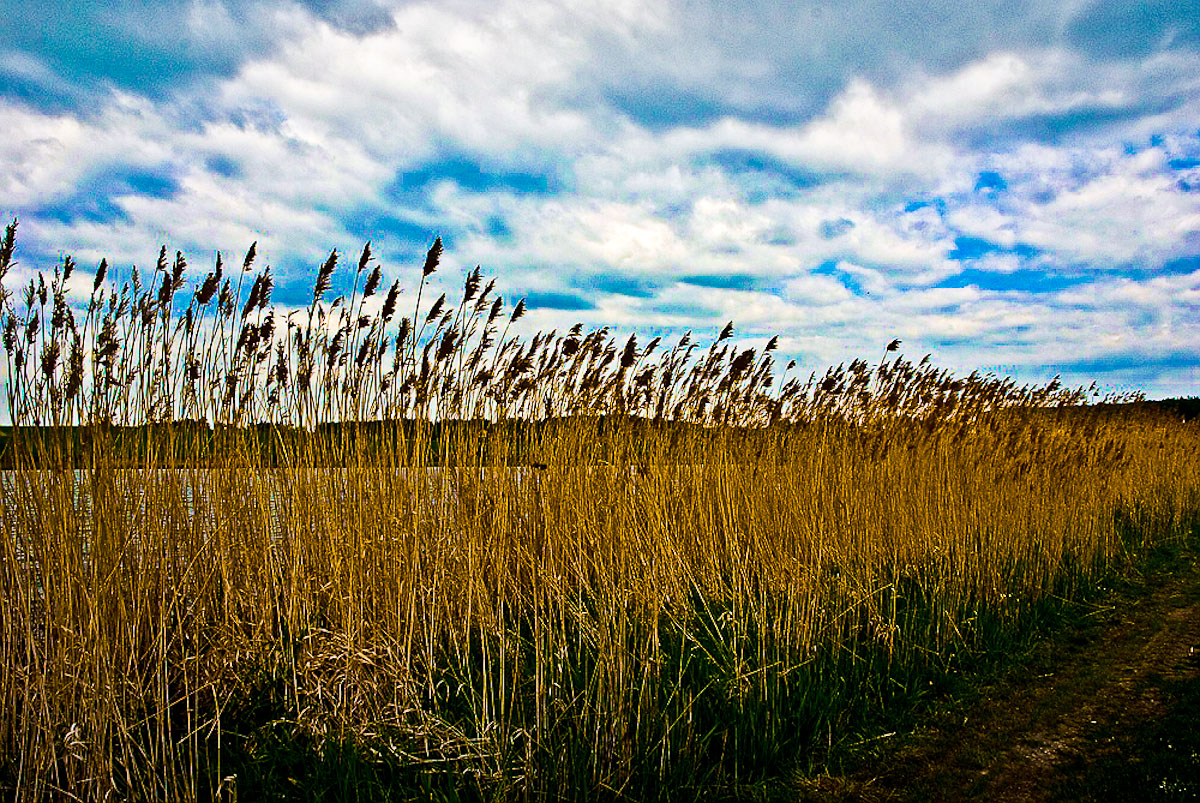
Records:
x=1011, y=186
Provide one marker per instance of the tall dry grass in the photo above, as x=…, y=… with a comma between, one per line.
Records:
x=406, y=553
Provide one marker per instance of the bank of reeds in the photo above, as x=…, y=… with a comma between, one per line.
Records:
x=368, y=550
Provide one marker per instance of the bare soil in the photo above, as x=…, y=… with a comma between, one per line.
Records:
x=1106, y=708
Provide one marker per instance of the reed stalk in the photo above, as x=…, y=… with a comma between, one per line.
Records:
x=250, y=551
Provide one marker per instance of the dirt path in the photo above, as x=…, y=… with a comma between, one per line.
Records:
x=1108, y=709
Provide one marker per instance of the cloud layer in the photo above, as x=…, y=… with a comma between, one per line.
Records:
x=1015, y=188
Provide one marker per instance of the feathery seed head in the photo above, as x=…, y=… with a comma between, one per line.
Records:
x=255, y=291
x=49, y=358
x=372, y=282
x=177, y=271
x=74, y=367
x=629, y=354
x=741, y=363
x=100, y=273
x=7, y=246
x=365, y=257
x=166, y=291
x=264, y=295
x=432, y=257
x=471, y=286
x=446, y=346
x=207, y=289
x=389, y=303
x=436, y=309
x=487, y=291
x=324, y=277
x=10, y=333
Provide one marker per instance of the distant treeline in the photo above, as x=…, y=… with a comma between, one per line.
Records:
x=475, y=442
x=1187, y=408
x=405, y=442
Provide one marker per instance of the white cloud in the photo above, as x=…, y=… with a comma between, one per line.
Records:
x=46, y=156
x=860, y=131
x=439, y=78
x=317, y=128
x=979, y=88
x=1133, y=214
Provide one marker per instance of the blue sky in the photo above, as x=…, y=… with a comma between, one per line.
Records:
x=1014, y=187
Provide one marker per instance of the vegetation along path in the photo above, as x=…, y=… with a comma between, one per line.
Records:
x=1106, y=708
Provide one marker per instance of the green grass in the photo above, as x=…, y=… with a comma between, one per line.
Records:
x=955, y=739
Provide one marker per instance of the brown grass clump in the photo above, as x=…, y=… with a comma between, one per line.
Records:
x=250, y=551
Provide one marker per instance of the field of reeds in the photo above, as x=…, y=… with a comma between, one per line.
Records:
x=372, y=550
